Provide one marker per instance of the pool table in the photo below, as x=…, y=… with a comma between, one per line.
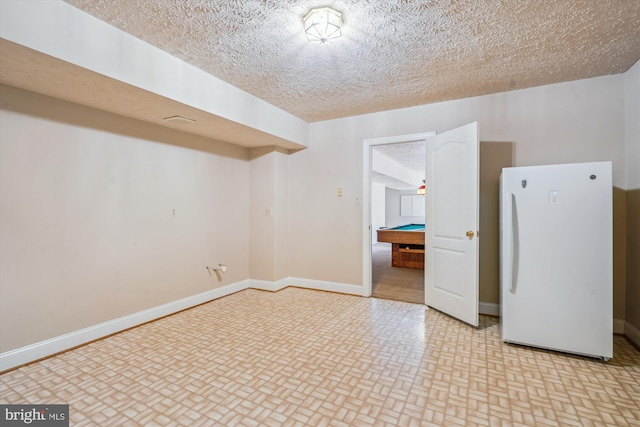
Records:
x=407, y=245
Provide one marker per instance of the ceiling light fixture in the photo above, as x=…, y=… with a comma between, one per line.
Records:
x=322, y=24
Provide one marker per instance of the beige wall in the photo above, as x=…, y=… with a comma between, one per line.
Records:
x=570, y=122
x=85, y=205
x=493, y=157
x=620, y=237
x=392, y=216
x=262, y=227
x=497, y=155
x=269, y=214
x=632, y=122
x=86, y=198
x=632, y=314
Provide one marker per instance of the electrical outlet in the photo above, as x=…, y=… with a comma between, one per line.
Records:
x=339, y=191
x=173, y=214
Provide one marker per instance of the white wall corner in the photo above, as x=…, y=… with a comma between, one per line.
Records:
x=265, y=285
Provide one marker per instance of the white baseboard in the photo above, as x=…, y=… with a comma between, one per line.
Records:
x=632, y=333
x=321, y=285
x=30, y=353
x=489, y=308
x=265, y=285
x=46, y=348
x=618, y=326
x=20, y=356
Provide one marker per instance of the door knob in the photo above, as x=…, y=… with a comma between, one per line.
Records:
x=470, y=234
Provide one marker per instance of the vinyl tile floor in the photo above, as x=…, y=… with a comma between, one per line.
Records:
x=308, y=358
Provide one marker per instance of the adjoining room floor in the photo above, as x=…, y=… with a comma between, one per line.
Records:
x=300, y=357
x=400, y=284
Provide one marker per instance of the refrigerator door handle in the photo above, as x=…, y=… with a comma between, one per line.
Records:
x=514, y=244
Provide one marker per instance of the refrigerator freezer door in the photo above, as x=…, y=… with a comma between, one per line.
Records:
x=556, y=255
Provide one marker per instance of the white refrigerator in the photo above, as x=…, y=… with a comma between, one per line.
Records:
x=556, y=268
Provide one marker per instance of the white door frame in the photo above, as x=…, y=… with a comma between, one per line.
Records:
x=366, y=197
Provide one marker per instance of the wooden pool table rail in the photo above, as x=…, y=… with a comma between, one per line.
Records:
x=399, y=236
x=407, y=247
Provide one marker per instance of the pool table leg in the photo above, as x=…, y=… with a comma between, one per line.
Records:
x=407, y=257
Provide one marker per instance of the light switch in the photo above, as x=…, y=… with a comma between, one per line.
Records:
x=554, y=197
x=339, y=191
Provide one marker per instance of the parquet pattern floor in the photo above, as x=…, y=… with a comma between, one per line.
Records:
x=308, y=358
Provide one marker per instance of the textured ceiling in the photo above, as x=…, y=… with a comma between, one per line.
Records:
x=411, y=155
x=393, y=54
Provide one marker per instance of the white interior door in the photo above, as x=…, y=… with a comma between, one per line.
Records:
x=452, y=222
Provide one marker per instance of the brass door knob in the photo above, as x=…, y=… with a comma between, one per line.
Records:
x=470, y=234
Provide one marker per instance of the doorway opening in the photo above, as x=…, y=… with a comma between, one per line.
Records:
x=452, y=213
x=394, y=169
